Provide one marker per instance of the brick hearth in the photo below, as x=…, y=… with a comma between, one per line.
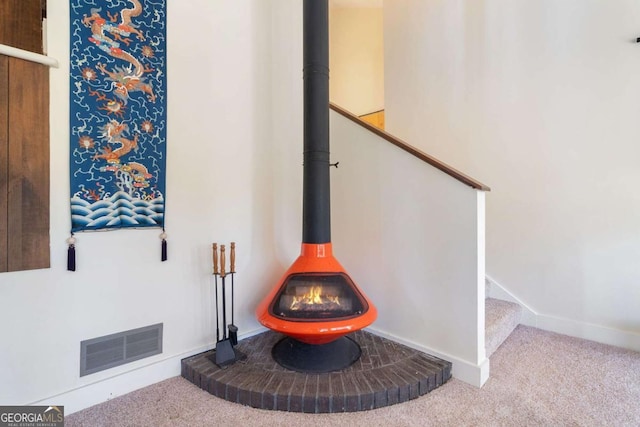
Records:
x=387, y=373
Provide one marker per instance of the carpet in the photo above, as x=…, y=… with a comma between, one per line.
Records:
x=538, y=378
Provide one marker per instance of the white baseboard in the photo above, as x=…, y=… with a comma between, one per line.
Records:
x=125, y=382
x=463, y=370
x=602, y=334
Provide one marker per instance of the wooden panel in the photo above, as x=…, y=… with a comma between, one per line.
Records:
x=4, y=158
x=28, y=199
x=21, y=24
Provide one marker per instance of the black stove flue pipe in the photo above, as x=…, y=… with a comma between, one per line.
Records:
x=316, y=203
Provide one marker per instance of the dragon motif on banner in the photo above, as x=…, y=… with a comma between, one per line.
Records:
x=118, y=113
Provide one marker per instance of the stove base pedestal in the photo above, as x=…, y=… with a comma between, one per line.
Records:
x=315, y=359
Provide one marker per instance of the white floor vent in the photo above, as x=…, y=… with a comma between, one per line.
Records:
x=98, y=354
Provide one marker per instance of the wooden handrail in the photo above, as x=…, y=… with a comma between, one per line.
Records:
x=465, y=179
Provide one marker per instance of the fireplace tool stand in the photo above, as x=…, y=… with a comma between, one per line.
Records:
x=225, y=353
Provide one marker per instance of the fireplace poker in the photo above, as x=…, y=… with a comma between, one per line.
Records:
x=215, y=275
x=233, y=329
x=224, y=296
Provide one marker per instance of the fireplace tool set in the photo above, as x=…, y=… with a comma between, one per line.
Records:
x=225, y=353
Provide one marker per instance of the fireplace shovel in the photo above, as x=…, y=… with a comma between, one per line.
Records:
x=225, y=354
x=224, y=350
x=233, y=329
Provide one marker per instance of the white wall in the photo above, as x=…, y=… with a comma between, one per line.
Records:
x=286, y=111
x=219, y=180
x=540, y=100
x=356, y=58
x=412, y=238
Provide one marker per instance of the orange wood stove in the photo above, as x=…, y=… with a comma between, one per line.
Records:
x=316, y=303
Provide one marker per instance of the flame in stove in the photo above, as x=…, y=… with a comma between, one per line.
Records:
x=313, y=297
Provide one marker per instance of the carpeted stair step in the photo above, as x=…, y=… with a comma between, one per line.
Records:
x=501, y=318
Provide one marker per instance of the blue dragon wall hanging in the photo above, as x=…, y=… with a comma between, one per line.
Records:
x=117, y=116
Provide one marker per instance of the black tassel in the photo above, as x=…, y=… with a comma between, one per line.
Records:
x=71, y=253
x=164, y=250
x=71, y=258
